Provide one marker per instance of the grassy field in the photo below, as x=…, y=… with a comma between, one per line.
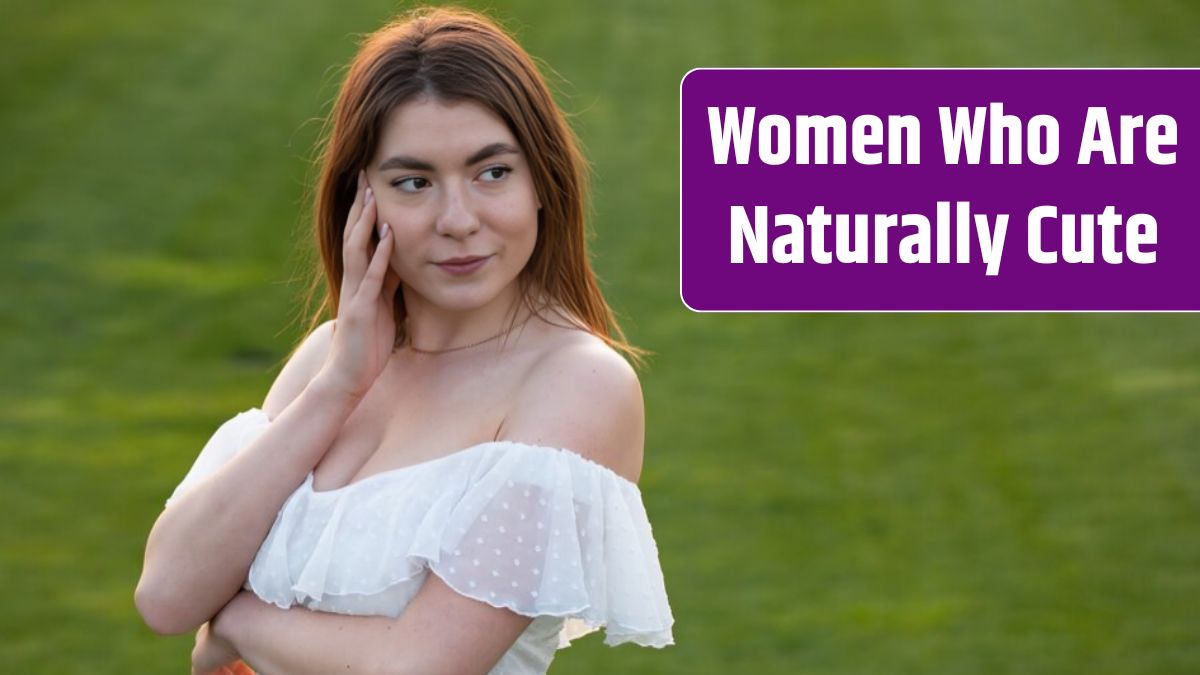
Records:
x=831, y=494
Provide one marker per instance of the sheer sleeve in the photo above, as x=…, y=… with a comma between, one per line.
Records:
x=547, y=532
x=229, y=439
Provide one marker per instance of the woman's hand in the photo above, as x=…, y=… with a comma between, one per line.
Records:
x=214, y=655
x=365, y=331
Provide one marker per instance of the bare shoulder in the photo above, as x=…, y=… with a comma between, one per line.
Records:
x=300, y=369
x=582, y=395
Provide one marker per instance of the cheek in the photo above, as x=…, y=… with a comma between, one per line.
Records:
x=521, y=232
x=405, y=227
x=520, y=216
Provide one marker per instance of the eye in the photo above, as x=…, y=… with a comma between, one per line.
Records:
x=411, y=184
x=494, y=173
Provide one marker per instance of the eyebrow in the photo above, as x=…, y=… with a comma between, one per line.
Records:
x=414, y=164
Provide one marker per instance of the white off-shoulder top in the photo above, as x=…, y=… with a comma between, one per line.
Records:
x=544, y=532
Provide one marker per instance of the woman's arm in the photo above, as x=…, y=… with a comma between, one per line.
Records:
x=440, y=633
x=201, y=547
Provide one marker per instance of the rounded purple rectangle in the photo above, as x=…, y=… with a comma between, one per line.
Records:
x=748, y=182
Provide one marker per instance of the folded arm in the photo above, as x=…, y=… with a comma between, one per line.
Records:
x=440, y=632
x=200, y=548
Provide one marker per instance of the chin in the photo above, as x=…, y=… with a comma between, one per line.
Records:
x=463, y=299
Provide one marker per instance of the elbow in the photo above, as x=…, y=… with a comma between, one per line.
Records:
x=159, y=612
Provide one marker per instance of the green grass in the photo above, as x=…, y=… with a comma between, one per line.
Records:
x=1006, y=493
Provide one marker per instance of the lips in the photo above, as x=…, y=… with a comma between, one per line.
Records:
x=461, y=260
x=462, y=265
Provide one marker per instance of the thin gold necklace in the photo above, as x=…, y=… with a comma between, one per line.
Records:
x=473, y=344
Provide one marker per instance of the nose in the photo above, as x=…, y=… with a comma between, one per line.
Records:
x=457, y=217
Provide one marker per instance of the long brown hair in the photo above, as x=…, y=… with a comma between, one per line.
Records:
x=453, y=55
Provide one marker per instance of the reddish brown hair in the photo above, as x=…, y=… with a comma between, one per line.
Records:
x=454, y=55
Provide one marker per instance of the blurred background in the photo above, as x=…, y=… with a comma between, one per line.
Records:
x=908, y=493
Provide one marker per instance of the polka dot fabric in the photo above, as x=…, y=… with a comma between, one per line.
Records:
x=541, y=531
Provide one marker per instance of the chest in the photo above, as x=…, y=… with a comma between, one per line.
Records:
x=412, y=415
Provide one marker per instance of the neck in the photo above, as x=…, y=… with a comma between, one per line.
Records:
x=433, y=328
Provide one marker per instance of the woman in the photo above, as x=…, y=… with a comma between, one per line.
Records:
x=447, y=471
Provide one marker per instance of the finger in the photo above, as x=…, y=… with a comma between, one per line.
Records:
x=355, y=206
x=373, y=279
x=387, y=298
x=361, y=235
x=356, y=253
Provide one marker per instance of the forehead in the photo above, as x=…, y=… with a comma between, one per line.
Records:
x=429, y=128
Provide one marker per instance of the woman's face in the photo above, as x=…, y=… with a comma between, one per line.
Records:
x=455, y=188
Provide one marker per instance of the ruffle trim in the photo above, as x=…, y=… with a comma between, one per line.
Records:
x=577, y=625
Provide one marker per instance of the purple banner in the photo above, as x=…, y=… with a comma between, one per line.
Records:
x=939, y=190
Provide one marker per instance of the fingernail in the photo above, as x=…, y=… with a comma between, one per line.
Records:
x=386, y=230
x=370, y=195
